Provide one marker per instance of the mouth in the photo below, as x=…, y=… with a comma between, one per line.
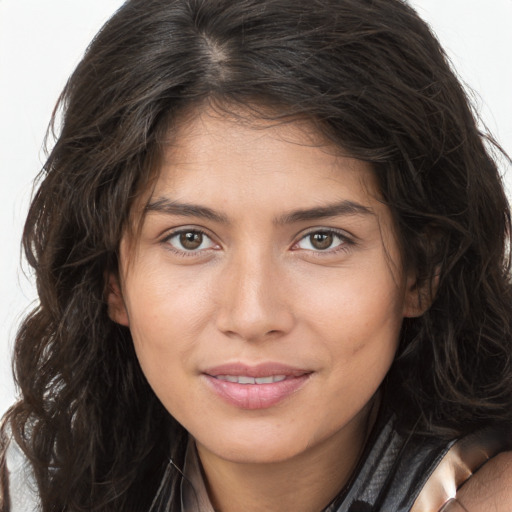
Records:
x=245, y=379
x=255, y=387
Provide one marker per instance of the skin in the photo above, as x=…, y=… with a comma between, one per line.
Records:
x=258, y=288
x=488, y=490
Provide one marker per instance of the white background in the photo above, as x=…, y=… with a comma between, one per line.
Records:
x=41, y=42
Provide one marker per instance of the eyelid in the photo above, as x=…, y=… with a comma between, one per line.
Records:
x=347, y=239
x=165, y=239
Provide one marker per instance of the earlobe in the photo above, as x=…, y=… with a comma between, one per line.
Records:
x=419, y=295
x=115, y=302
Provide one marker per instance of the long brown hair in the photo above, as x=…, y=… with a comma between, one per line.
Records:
x=373, y=78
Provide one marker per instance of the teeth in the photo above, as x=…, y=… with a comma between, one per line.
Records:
x=264, y=380
x=244, y=379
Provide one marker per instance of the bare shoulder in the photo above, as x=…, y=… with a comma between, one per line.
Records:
x=490, y=488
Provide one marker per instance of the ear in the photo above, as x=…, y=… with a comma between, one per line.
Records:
x=419, y=294
x=115, y=302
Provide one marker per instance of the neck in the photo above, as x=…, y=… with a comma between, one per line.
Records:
x=308, y=481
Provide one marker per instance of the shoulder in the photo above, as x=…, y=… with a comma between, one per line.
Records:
x=21, y=484
x=474, y=475
x=490, y=488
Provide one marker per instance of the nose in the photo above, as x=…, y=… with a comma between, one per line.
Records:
x=254, y=305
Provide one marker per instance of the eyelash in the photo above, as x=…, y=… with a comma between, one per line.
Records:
x=345, y=242
x=184, y=252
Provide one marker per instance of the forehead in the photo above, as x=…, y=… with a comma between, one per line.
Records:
x=208, y=152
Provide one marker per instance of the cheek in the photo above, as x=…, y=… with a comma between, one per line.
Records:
x=357, y=318
x=164, y=342
x=166, y=317
x=163, y=301
x=354, y=303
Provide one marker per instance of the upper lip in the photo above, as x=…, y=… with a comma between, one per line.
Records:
x=258, y=370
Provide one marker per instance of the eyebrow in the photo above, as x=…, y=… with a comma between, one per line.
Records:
x=322, y=212
x=345, y=207
x=164, y=205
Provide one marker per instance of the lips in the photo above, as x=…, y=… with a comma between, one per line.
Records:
x=255, y=387
x=245, y=379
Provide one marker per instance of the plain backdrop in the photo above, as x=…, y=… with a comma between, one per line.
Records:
x=41, y=41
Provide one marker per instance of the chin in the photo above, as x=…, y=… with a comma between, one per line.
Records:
x=255, y=449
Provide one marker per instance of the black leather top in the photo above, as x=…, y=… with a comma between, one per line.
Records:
x=394, y=469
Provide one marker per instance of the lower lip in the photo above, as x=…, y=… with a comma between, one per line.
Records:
x=256, y=396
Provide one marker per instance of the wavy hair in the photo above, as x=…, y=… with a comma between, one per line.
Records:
x=375, y=81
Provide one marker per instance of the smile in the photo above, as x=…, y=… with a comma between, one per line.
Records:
x=245, y=379
x=255, y=386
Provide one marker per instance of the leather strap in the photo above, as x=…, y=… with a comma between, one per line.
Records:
x=459, y=464
x=417, y=473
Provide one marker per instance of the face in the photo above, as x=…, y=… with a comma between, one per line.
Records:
x=264, y=292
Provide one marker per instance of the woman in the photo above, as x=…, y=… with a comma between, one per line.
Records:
x=270, y=248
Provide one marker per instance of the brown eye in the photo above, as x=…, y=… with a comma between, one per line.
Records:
x=191, y=240
x=321, y=241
